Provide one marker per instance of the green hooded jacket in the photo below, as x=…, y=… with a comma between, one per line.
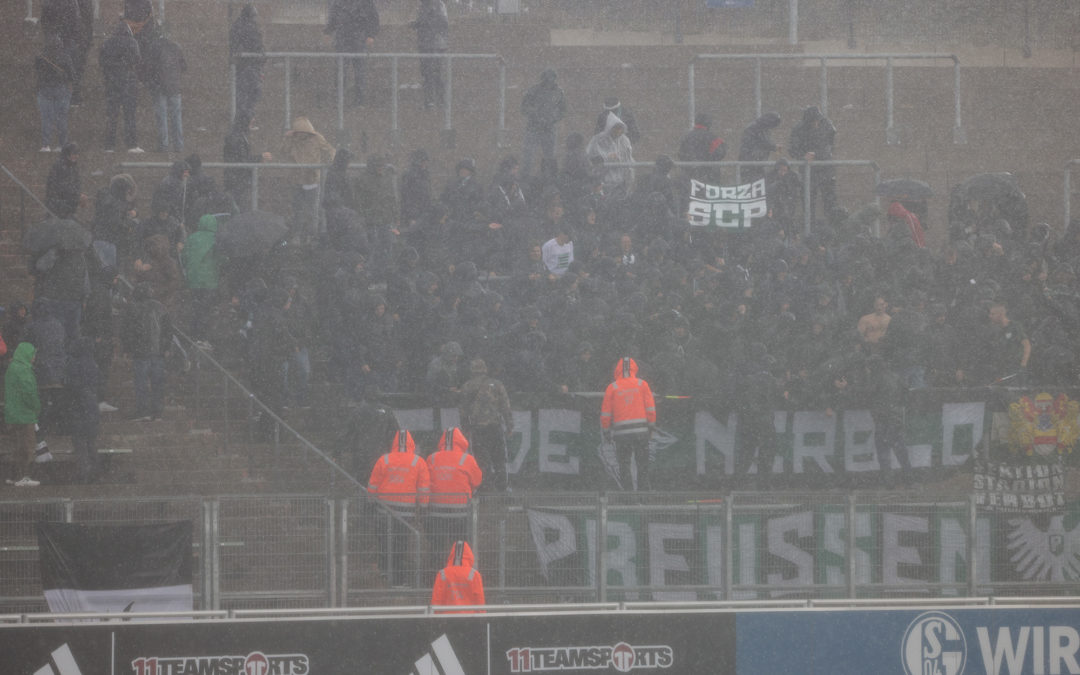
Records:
x=200, y=255
x=21, y=403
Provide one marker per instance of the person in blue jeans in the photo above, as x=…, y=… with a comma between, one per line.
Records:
x=167, y=65
x=55, y=75
x=147, y=333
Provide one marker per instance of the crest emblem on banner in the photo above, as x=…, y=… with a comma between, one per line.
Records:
x=1043, y=424
x=1049, y=554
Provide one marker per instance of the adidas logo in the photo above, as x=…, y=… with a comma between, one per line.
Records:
x=64, y=662
x=441, y=652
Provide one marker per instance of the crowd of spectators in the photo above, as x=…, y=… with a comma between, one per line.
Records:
x=551, y=276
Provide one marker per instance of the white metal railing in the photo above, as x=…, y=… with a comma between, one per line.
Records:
x=892, y=135
x=394, y=58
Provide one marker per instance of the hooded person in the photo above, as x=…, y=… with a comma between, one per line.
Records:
x=458, y=583
x=455, y=478
x=21, y=409
x=613, y=146
x=400, y=481
x=628, y=417
x=304, y=145
x=812, y=139
x=544, y=106
x=757, y=145
x=612, y=104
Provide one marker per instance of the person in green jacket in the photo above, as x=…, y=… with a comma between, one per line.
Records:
x=202, y=264
x=21, y=409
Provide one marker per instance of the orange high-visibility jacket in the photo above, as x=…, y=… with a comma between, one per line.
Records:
x=458, y=583
x=628, y=406
x=453, y=470
x=400, y=476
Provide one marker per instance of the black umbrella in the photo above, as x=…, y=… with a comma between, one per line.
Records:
x=994, y=186
x=904, y=188
x=999, y=193
x=63, y=234
x=250, y=234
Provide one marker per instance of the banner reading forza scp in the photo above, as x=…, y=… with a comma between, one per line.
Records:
x=734, y=206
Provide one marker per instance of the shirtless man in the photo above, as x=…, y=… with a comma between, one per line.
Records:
x=872, y=326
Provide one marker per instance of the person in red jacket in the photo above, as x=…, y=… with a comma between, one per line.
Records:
x=400, y=480
x=459, y=583
x=455, y=477
x=628, y=416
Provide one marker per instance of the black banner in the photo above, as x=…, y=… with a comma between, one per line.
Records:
x=461, y=645
x=557, y=446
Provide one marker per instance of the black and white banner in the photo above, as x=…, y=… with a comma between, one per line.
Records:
x=734, y=206
x=1021, y=487
x=116, y=568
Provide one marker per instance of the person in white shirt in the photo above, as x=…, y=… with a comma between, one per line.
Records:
x=558, y=253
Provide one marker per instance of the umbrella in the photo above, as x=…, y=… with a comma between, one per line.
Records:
x=997, y=193
x=63, y=234
x=904, y=188
x=250, y=234
x=992, y=186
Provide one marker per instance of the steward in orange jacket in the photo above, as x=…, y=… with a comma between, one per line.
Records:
x=458, y=583
x=453, y=470
x=455, y=476
x=400, y=477
x=628, y=416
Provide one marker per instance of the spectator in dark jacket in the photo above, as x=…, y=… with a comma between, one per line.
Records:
x=354, y=25
x=432, y=32
x=757, y=146
x=145, y=335
x=83, y=417
x=812, y=139
x=55, y=75
x=63, y=188
x=114, y=218
x=119, y=58
x=171, y=192
x=166, y=65
x=237, y=182
x=245, y=37
x=543, y=106
x=700, y=144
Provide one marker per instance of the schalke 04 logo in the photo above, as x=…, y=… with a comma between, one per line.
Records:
x=933, y=644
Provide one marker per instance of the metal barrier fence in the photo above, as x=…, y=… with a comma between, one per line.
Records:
x=395, y=58
x=288, y=552
x=1068, y=189
x=254, y=168
x=892, y=136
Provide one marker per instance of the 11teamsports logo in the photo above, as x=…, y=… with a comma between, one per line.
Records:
x=255, y=663
x=622, y=657
x=934, y=644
